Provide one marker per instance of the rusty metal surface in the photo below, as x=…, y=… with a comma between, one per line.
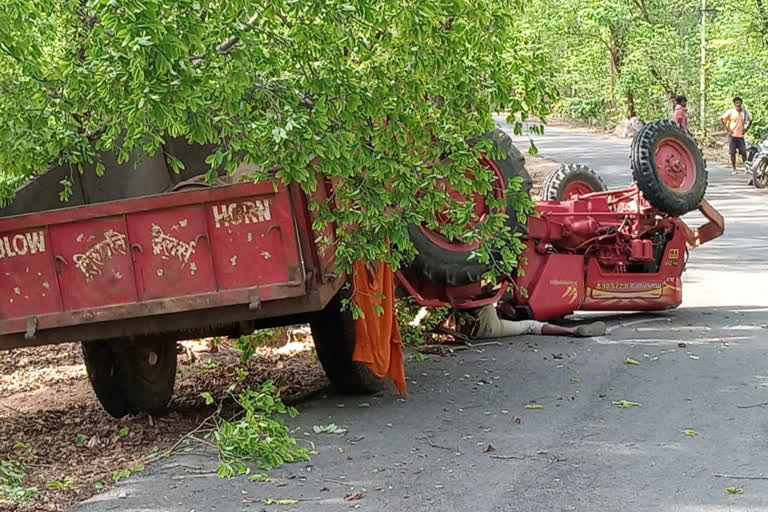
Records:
x=187, y=251
x=707, y=232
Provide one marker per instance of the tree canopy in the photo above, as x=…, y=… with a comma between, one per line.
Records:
x=371, y=93
x=616, y=58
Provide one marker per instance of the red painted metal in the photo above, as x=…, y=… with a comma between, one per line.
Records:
x=605, y=251
x=558, y=288
x=575, y=189
x=27, y=276
x=135, y=258
x=459, y=297
x=93, y=263
x=675, y=165
x=171, y=253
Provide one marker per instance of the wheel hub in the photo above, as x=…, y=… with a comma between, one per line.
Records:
x=675, y=165
x=576, y=189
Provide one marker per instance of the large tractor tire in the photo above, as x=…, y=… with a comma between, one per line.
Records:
x=669, y=168
x=449, y=262
x=570, y=181
x=333, y=331
x=133, y=375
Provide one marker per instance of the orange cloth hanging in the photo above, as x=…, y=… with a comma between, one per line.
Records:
x=378, y=342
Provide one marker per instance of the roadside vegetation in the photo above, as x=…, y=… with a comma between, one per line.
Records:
x=614, y=59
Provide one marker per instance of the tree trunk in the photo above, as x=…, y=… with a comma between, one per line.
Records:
x=614, y=78
x=630, y=105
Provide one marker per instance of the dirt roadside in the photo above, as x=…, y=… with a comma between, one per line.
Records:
x=51, y=420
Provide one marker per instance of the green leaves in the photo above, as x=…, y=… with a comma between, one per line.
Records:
x=690, y=432
x=56, y=485
x=328, y=429
x=122, y=475
x=624, y=404
x=734, y=490
x=258, y=436
x=370, y=94
x=628, y=360
x=12, y=476
x=284, y=501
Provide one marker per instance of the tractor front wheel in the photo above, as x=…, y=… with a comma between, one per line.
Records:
x=570, y=181
x=669, y=168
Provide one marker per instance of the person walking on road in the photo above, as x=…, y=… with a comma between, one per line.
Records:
x=681, y=112
x=486, y=323
x=736, y=122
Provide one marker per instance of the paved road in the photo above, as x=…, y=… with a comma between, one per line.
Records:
x=579, y=452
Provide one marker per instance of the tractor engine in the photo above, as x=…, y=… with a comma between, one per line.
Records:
x=621, y=240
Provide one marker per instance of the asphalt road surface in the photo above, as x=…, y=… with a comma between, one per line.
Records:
x=464, y=440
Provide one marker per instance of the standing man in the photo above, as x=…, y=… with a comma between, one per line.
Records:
x=681, y=112
x=736, y=122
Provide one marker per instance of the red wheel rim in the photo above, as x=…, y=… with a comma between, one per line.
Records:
x=480, y=210
x=575, y=189
x=675, y=165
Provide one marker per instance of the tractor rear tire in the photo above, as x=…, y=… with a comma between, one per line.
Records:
x=130, y=376
x=569, y=181
x=668, y=167
x=454, y=266
x=333, y=331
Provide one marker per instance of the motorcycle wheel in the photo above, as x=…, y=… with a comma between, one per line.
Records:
x=760, y=172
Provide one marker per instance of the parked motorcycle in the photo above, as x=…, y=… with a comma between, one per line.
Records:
x=757, y=163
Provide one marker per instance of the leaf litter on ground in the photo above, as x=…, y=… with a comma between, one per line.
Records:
x=328, y=429
x=625, y=404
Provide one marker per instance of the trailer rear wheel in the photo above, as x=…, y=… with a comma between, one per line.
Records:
x=130, y=376
x=147, y=372
x=333, y=330
x=102, y=372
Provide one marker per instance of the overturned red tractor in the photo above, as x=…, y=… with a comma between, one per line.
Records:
x=130, y=269
x=587, y=248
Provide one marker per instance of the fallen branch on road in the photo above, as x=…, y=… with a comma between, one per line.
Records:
x=751, y=406
x=741, y=477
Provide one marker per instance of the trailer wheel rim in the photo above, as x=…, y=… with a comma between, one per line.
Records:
x=675, y=165
x=575, y=189
x=480, y=209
